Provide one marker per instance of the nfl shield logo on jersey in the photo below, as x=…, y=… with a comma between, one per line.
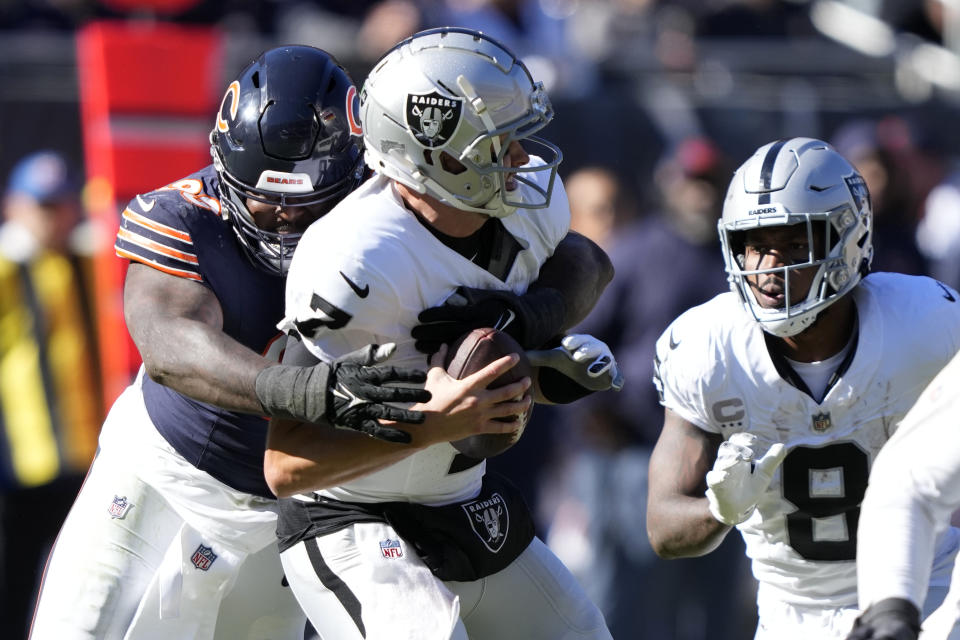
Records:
x=203, y=558
x=119, y=507
x=821, y=421
x=433, y=118
x=490, y=520
x=391, y=548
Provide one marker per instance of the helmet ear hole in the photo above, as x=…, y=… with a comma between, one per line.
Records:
x=450, y=164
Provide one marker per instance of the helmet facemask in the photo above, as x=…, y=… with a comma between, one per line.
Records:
x=460, y=93
x=798, y=182
x=271, y=250
x=831, y=278
x=498, y=141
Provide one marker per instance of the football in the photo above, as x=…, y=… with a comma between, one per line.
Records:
x=472, y=352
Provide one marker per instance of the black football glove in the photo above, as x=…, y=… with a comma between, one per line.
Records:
x=348, y=394
x=532, y=318
x=890, y=619
x=358, y=391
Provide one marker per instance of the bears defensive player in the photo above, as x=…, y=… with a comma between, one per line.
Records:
x=175, y=521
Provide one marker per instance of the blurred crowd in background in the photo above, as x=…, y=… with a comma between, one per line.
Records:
x=657, y=103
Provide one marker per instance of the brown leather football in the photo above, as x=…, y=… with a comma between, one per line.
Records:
x=472, y=352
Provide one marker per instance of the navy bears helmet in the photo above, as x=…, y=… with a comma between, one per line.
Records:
x=287, y=134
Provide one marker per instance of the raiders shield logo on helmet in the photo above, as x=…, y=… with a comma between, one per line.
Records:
x=490, y=520
x=858, y=189
x=433, y=118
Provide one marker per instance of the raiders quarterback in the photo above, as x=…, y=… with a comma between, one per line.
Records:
x=779, y=394
x=914, y=488
x=379, y=543
x=173, y=534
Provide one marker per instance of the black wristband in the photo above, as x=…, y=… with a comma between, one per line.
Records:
x=299, y=393
x=902, y=608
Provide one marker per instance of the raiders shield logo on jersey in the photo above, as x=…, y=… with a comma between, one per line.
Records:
x=203, y=558
x=490, y=520
x=433, y=118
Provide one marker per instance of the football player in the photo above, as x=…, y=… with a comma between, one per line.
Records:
x=914, y=487
x=173, y=534
x=384, y=542
x=779, y=394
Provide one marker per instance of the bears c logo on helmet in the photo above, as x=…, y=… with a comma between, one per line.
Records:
x=233, y=92
x=432, y=118
x=353, y=112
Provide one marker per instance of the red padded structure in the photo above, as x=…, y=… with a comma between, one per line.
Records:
x=148, y=98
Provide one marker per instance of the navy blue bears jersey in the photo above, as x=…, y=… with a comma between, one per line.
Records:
x=178, y=230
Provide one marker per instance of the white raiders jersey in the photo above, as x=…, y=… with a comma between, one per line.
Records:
x=714, y=369
x=914, y=487
x=362, y=274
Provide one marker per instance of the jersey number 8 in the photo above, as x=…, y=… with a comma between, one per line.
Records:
x=826, y=485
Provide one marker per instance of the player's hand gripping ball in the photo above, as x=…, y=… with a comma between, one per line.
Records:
x=472, y=352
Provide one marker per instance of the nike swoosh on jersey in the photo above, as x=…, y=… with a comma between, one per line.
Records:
x=143, y=204
x=504, y=320
x=946, y=292
x=363, y=293
x=673, y=345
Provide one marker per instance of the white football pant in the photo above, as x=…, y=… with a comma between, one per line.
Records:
x=352, y=589
x=154, y=548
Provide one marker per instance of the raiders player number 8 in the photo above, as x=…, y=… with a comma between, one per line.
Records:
x=826, y=485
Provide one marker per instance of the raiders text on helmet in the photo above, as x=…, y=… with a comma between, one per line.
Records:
x=790, y=182
x=457, y=92
x=287, y=133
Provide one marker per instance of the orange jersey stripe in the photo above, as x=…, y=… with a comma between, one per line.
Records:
x=156, y=247
x=156, y=265
x=162, y=229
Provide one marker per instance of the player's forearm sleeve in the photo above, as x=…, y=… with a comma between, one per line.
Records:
x=895, y=551
x=299, y=393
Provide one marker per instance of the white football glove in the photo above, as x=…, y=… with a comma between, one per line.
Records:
x=736, y=482
x=583, y=358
